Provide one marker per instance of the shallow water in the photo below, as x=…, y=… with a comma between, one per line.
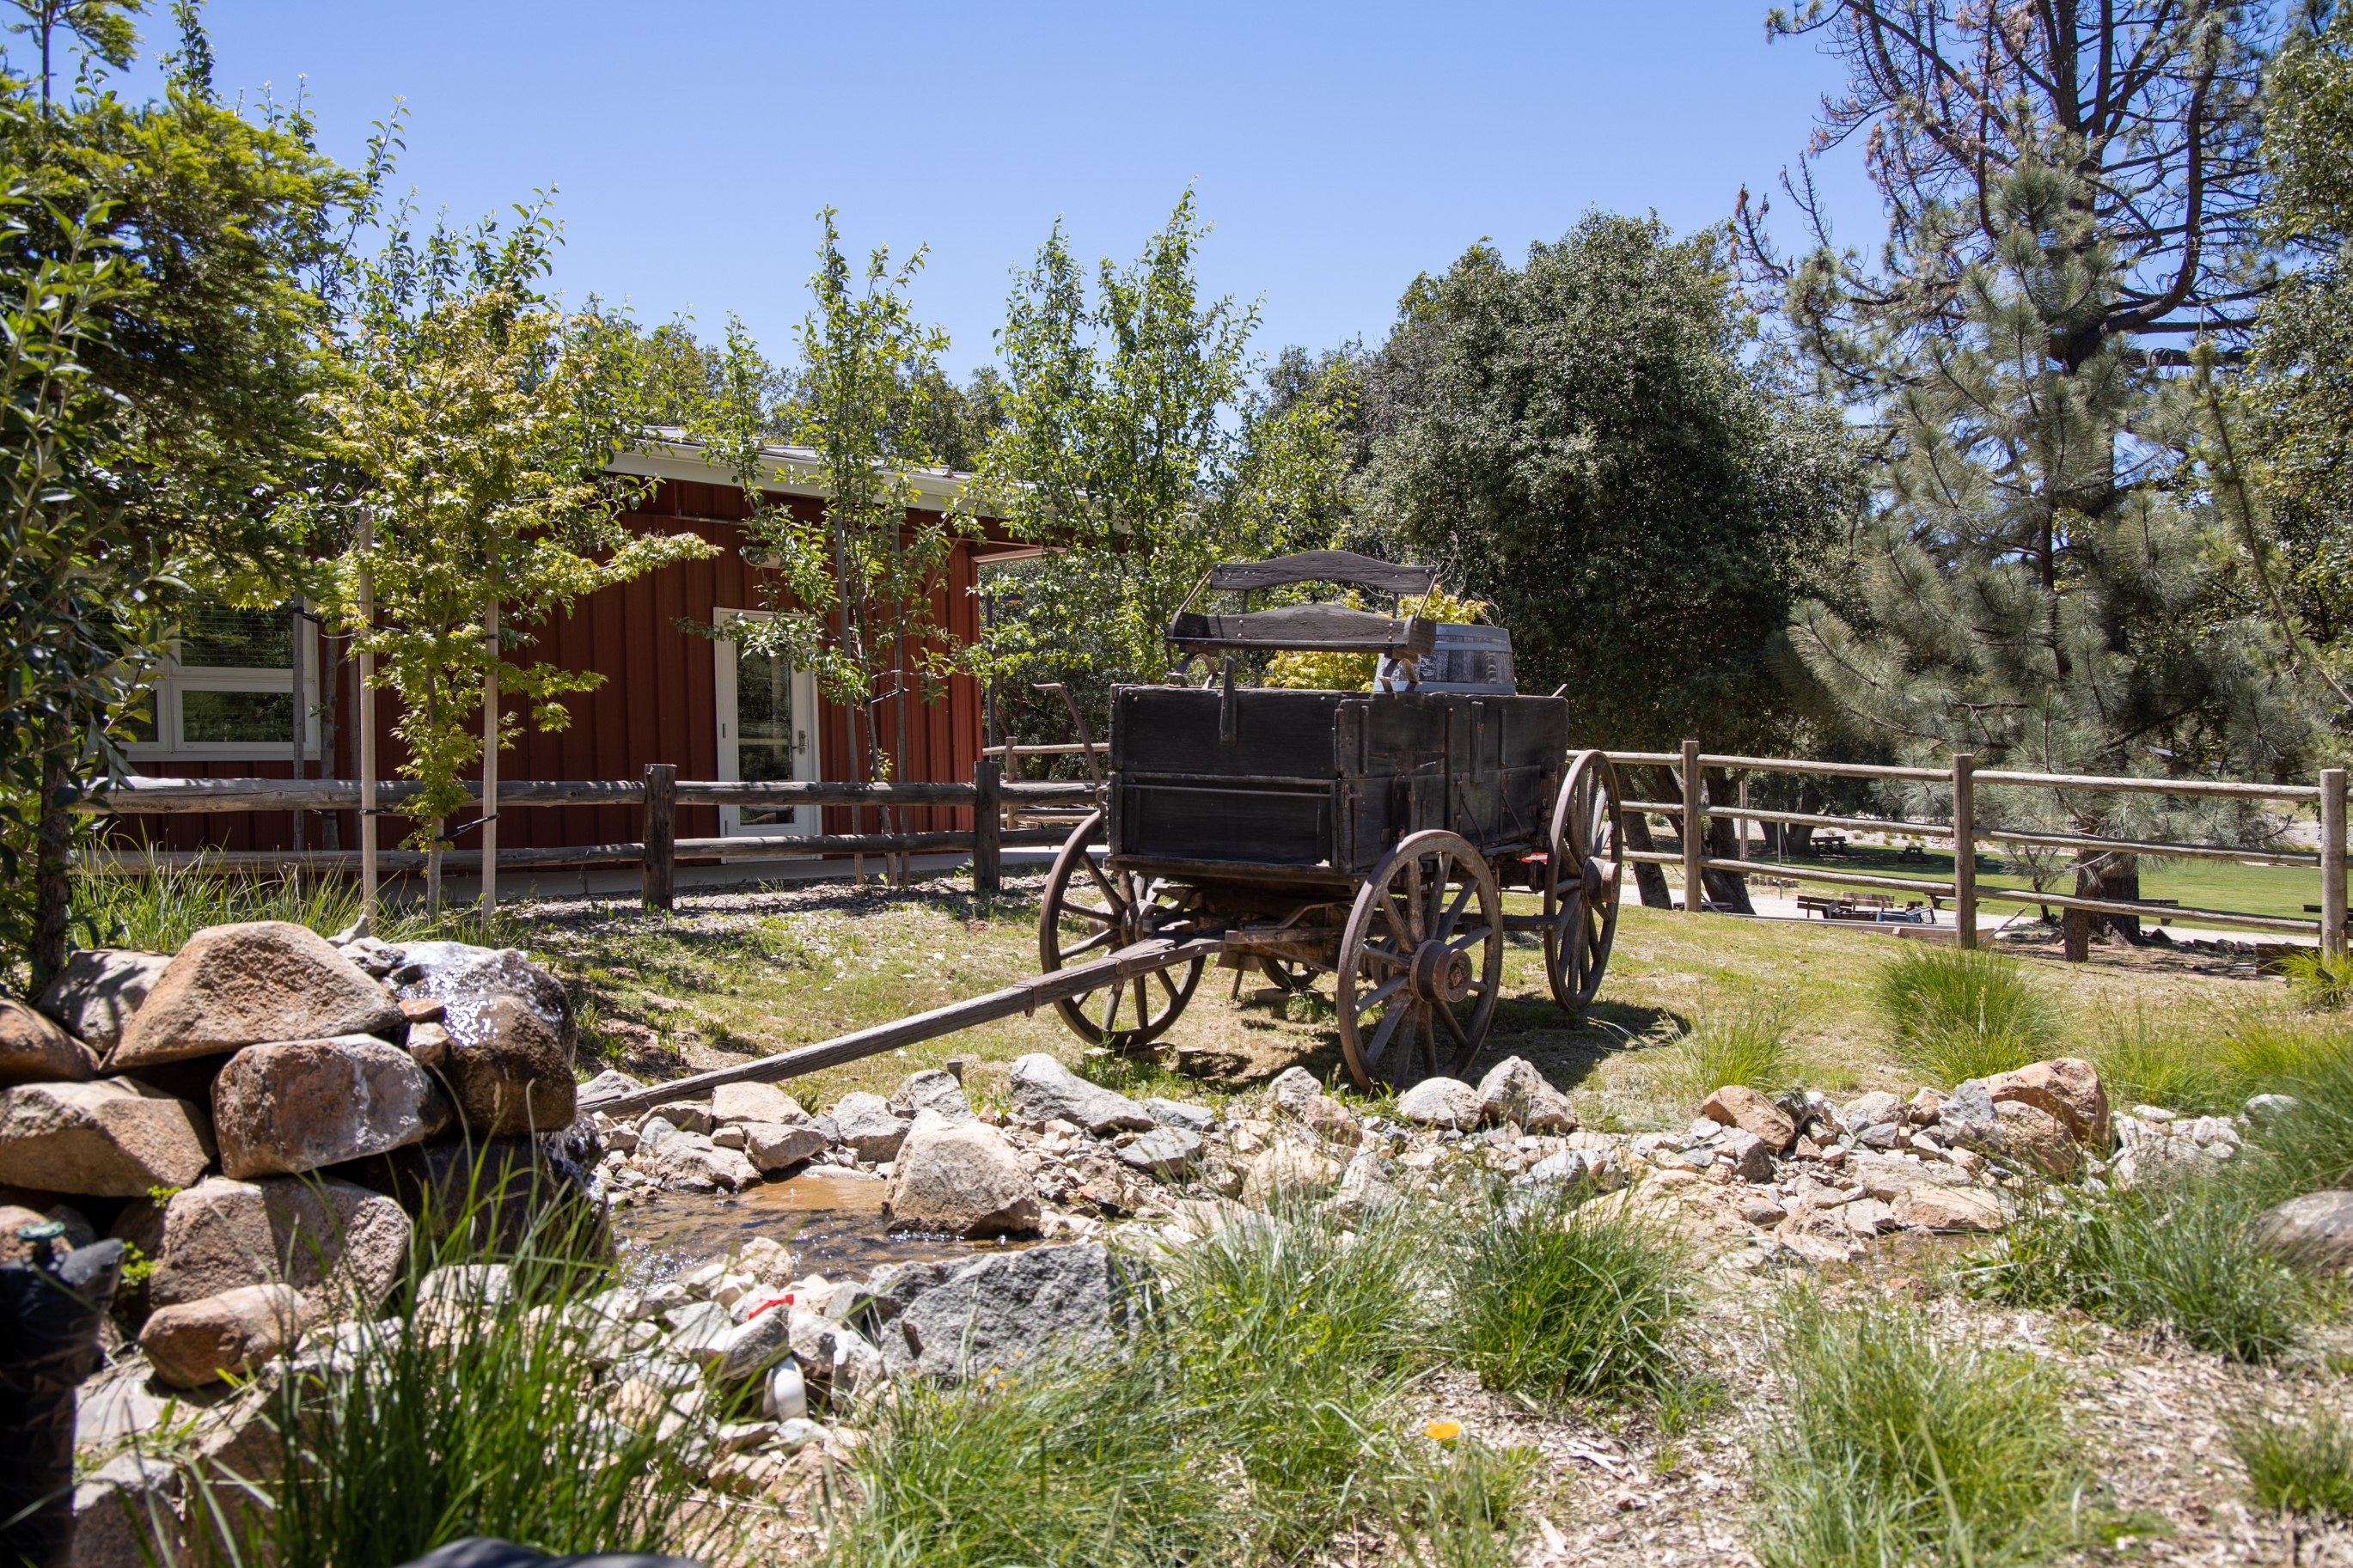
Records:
x=834, y=1227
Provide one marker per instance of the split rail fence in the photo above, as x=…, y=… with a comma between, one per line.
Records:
x=1963, y=778
x=657, y=853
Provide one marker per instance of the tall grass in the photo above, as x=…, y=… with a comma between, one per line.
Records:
x=1458, y=1505
x=1895, y=1448
x=1954, y=1014
x=159, y=911
x=2179, y=1256
x=1742, y=1038
x=2297, y=1466
x=1556, y=1301
x=2309, y=1145
x=471, y=1415
x=2162, y=1057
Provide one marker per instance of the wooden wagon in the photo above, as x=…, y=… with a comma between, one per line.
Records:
x=1366, y=836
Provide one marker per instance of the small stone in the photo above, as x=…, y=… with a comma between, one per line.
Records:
x=1177, y=1113
x=428, y=1047
x=730, y=1137
x=2266, y=1107
x=1751, y=1157
x=1871, y=1109
x=1881, y=1135
x=941, y=1093
x=34, y=1050
x=232, y=985
x=1289, y=1171
x=747, y=1102
x=1043, y=1090
x=771, y=1148
x=1329, y=1120
x=196, y=1342
x=1168, y=1153
x=1867, y=1218
x=1365, y=1190
x=283, y=1108
x=1762, y=1210
x=686, y=1116
x=1514, y=1091
x=1293, y=1090
x=1923, y=1108
x=1737, y=1105
x=115, y=1138
x=867, y=1127
x=609, y=1084
x=1440, y=1102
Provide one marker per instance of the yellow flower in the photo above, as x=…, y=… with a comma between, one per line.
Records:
x=1443, y=1431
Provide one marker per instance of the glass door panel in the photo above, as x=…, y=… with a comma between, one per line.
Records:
x=767, y=713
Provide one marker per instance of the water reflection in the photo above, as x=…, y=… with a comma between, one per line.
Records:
x=835, y=1227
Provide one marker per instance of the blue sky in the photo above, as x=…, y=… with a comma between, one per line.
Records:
x=1337, y=150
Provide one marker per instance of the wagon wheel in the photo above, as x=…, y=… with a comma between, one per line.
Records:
x=1421, y=962
x=1090, y=912
x=1583, y=876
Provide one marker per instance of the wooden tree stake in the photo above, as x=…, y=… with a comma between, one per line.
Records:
x=1965, y=847
x=658, y=874
x=2332, y=863
x=1695, y=830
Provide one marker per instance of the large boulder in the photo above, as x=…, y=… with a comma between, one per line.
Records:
x=941, y=1093
x=1440, y=1102
x=1046, y=1090
x=2064, y=1087
x=280, y=1110
x=2032, y=1136
x=957, y=1179
x=458, y=975
x=339, y=1245
x=1010, y=1311
x=34, y=1050
x=2314, y=1230
x=508, y=1073
x=1737, y=1105
x=499, y=1191
x=113, y=1139
x=865, y=1122
x=1514, y=1091
x=234, y=985
x=193, y=1343
x=739, y=1104
x=94, y=996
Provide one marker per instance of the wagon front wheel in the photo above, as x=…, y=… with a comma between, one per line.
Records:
x=1422, y=964
x=1583, y=874
x=1090, y=912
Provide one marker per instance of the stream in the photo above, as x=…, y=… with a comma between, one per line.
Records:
x=835, y=1227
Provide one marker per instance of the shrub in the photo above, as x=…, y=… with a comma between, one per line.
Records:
x=2314, y=983
x=2179, y=1256
x=1554, y=1300
x=2264, y=1049
x=1743, y=1039
x=1956, y=1014
x=1897, y=1449
x=2297, y=1466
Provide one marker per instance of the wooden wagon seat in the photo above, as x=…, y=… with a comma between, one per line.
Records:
x=1310, y=629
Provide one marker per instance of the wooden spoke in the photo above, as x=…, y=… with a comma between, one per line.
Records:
x=1585, y=872
x=1389, y=1027
x=1423, y=892
x=1070, y=930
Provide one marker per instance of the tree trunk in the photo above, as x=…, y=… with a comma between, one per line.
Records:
x=1651, y=880
x=1725, y=890
x=52, y=866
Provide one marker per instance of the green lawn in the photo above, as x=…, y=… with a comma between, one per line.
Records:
x=2282, y=891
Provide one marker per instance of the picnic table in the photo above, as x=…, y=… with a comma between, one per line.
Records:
x=1877, y=908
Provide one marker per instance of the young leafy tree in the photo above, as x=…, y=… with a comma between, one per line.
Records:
x=481, y=420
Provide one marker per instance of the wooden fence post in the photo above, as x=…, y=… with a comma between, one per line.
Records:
x=1965, y=847
x=2332, y=863
x=1694, y=829
x=988, y=824
x=659, y=872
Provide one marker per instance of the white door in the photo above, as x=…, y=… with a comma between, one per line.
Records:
x=768, y=730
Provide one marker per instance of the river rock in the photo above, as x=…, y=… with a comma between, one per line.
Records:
x=193, y=1343
x=1289, y=1171
x=1926, y=1207
x=743, y=1103
x=772, y=1146
x=1046, y=1090
x=608, y=1085
x=1365, y=1190
x=1169, y=1152
x=2314, y=1230
x=1177, y=1113
x=865, y=1123
x=1291, y=1091
x=1014, y=1311
x=34, y=1050
x=456, y=973
x=1440, y=1102
x=115, y=1138
x=1332, y=1121
x=509, y=1070
x=94, y=996
x=1967, y=1116
x=2033, y=1136
x=938, y=1092
x=1737, y=1105
x=1514, y=1091
x=960, y=1179
x=341, y=1246
x=693, y=1163
x=1871, y=1109
x=244, y=985
x=280, y=1110
x=2065, y=1088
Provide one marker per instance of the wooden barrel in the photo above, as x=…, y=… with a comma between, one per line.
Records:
x=1469, y=659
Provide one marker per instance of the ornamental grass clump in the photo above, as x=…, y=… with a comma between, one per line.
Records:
x=2159, y=1058
x=1897, y=1447
x=1560, y=1301
x=1954, y=1014
x=1742, y=1038
x=2294, y=1465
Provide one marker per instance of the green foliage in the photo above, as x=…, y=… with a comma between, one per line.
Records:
x=2308, y=1146
x=2314, y=983
x=2297, y=1466
x=1461, y=1502
x=1743, y=1039
x=1954, y=1014
x=2161, y=1059
x=1585, y=442
x=157, y=913
x=2179, y=1256
x=1897, y=1447
x=1554, y=1300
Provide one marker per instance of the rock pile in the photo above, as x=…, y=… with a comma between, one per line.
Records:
x=260, y=1114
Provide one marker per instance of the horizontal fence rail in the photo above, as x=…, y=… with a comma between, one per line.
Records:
x=1691, y=763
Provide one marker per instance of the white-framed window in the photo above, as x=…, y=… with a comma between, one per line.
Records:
x=768, y=730
x=227, y=691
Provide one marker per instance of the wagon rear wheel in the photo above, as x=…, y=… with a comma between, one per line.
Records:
x=1421, y=962
x=1090, y=911
x=1583, y=876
